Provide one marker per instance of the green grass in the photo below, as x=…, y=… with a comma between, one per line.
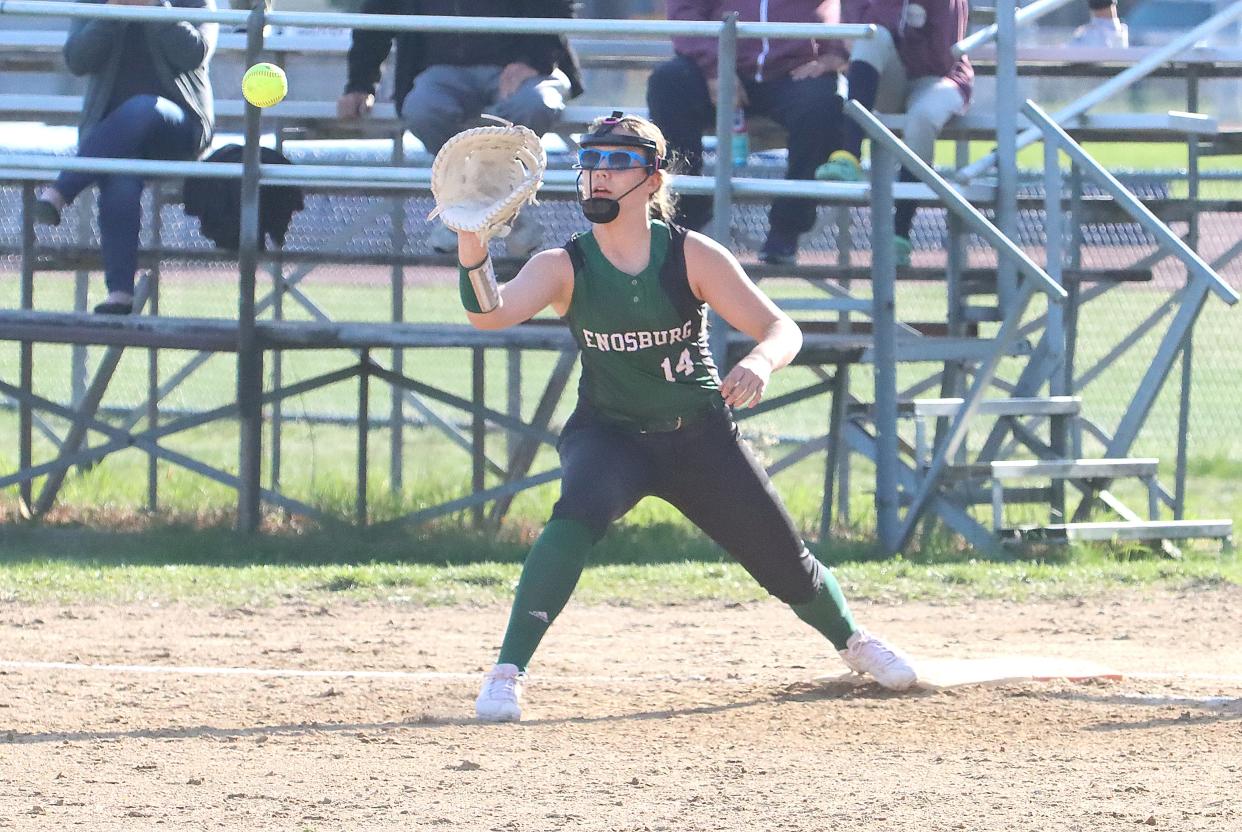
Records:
x=101, y=545
x=318, y=461
x=1113, y=156
x=635, y=565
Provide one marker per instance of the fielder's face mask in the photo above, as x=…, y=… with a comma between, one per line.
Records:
x=640, y=153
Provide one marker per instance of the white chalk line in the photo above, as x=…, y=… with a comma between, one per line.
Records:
x=298, y=673
x=441, y=676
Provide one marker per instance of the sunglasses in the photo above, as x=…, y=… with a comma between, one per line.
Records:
x=591, y=159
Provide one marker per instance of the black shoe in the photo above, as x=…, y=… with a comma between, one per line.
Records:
x=45, y=213
x=780, y=249
x=114, y=308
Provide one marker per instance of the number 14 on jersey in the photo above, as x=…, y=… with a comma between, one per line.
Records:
x=684, y=366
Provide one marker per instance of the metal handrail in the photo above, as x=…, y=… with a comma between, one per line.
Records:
x=440, y=23
x=886, y=422
x=1129, y=203
x=1025, y=15
x=410, y=178
x=954, y=201
x=252, y=173
x=1114, y=85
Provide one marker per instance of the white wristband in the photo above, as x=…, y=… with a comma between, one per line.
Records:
x=483, y=281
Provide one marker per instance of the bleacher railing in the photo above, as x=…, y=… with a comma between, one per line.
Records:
x=252, y=173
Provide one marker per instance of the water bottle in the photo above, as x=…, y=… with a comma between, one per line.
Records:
x=741, y=140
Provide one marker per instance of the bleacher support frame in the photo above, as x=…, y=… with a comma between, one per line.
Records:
x=898, y=483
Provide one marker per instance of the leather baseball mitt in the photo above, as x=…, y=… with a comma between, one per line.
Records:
x=482, y=177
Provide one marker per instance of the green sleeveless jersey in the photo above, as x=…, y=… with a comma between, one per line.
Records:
x=643, y=337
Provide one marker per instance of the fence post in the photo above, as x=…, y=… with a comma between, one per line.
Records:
x=249, y=356
x=1007, y=103
x=25, y=414
x=884, y=324
x=722, y=196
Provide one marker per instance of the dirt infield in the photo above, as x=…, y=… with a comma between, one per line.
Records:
x=670, y=718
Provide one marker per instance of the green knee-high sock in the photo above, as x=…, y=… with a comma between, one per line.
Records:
x=828, y=612
x=552, y=569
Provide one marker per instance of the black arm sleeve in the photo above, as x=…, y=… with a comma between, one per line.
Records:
x=544, y=52
x=370, y=48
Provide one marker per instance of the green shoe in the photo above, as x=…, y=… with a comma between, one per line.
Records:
x=902, y=251
x=842, y=166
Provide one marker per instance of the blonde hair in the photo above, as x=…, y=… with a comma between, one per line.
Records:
x=662, y=204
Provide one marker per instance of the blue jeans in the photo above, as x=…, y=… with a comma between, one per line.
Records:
x=444, y=98
x=144, y=127
x=809, y=110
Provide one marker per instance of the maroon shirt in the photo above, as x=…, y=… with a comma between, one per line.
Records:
x=924, y=31
x=757, y=58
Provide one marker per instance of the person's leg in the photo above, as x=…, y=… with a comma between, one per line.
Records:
x=120, y=218
x=713, y=478
x=679, y=104
x=932, y=102
x=810, y=112
x=537, y=103
x=168, y=135
x=877, y=80
x=903, y=221
x=441, y=100
x=604, y=474
x=126, y=133
x=437, y=107
x=870, y=60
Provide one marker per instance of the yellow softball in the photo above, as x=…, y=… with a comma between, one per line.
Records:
x=264, y=85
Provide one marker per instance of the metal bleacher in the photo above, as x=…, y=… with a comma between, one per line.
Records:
x=836, y=266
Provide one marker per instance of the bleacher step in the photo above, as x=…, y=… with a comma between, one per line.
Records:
x=1116, y=531
x=1016, y=406
x=982, y=314
x=1057, y=469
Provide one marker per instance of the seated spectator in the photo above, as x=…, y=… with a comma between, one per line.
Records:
x=445, y=80
x=1104, y=29
x=147, y=97
x=908, y=67
x=794, y=82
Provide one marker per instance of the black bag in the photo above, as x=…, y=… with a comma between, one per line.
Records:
x=217, y=202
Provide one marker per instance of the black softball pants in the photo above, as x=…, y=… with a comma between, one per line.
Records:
x=706, y=471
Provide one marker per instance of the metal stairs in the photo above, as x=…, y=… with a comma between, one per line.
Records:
x=992, y=480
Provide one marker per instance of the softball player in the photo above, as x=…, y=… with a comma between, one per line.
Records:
x=653, y=416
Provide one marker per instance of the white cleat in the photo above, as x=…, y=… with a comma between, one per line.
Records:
x=864, y=653
x=500, y=699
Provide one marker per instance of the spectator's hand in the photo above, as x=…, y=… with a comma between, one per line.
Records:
x=824, y=64
x=739, y=100
x=746, y=382
x=353, y=105
x=513, y=76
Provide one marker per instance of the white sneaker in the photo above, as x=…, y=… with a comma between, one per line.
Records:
x=525, y=236
x=443, y=239
x=864, y=653
x=500, y=699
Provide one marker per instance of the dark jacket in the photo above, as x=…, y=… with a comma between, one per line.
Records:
x=924, y=32
x=217, y=202
x=179, y=51
x=418, y=50
x=760, y=59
